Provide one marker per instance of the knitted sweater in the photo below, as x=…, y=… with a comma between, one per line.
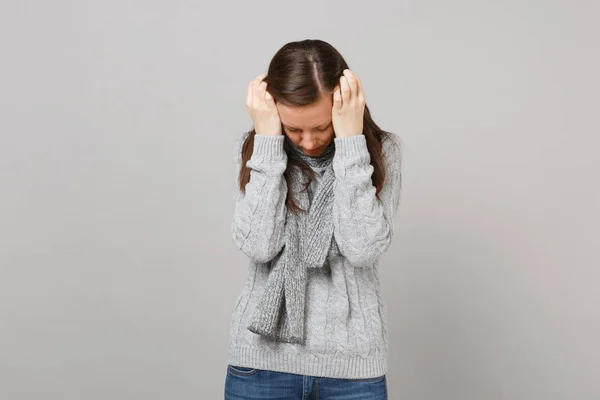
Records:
x=346, y=316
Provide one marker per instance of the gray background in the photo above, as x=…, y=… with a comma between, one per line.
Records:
x=117, y=130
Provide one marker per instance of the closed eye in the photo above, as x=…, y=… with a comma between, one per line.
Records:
x=299, y=130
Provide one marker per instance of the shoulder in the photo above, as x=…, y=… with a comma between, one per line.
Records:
x=239, y=144
x=240, y=141
x=391, y=148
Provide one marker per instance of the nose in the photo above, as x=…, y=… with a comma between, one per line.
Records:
x=309, y=143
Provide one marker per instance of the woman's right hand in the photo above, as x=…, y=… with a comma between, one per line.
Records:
x=262, y=108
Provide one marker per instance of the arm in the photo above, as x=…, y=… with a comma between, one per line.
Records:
x=363, y=224
x=259, y=217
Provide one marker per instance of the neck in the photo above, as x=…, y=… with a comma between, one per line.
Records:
x=321, y=160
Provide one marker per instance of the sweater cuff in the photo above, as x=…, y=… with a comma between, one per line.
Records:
x=268, y=147
x=352, y=147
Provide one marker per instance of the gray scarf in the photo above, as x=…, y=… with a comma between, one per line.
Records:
x=279, y=314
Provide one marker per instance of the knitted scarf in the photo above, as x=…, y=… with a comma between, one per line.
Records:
x=279, y=314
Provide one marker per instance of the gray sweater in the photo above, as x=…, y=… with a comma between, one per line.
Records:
x=346, y=316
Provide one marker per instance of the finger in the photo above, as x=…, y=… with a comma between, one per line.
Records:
x=361, y=93
x=259, y=92
x=259, y=78
x=269, y=99
x=345, y=87
x=351, y=82
x=256, y=82
x=252, y=95
x=337, y=98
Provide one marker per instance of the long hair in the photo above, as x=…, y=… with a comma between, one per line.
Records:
x=299, y=74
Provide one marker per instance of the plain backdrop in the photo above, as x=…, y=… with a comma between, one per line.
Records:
x=118, y=121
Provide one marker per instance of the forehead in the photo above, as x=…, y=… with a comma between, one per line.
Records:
x=309, y=116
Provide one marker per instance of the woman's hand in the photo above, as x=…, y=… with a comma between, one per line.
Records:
x=348, y=106
x=262, y=108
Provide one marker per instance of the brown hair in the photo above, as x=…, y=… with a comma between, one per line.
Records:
x=299, y=74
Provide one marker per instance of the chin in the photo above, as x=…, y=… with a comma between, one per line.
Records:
x=315, y=152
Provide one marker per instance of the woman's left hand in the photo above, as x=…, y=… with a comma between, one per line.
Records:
x=348, y=106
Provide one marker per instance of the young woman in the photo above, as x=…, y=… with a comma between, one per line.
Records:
x=317, y=188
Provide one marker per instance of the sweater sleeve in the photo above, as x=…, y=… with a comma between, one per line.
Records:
x=259, y=215
x=364, y=224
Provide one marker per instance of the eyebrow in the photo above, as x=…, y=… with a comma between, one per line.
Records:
x=318, y=126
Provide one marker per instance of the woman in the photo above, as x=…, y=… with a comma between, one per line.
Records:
x=317, y=188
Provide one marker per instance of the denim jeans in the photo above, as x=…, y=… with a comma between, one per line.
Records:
x=244, y=383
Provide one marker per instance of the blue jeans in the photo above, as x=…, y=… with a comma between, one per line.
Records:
x=244, y=383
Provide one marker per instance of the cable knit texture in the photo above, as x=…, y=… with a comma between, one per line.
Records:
x=345, y=314
x=308, y=242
